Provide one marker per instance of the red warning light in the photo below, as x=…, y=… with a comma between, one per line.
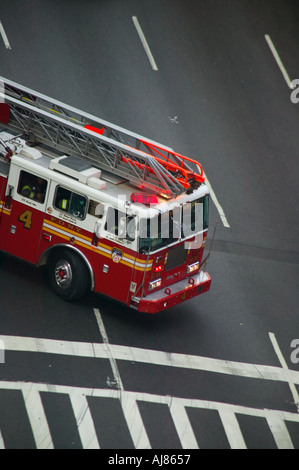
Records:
x=158, y=269
x=146, y=199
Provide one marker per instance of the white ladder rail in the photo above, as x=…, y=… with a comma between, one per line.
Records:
x=63, y=127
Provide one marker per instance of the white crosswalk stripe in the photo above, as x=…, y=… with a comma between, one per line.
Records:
x=37, y=417
x=232, y=429
x=129, y=400
x=183, y=425
x=134, y=421
x=280, y=432
x=84, y=420
x=2, y=446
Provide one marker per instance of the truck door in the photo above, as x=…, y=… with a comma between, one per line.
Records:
x=116, y=277
x=27, y=208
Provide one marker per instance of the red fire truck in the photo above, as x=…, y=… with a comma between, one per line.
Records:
x=105, y=209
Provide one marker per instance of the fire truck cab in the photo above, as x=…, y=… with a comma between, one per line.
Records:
x=94, y=227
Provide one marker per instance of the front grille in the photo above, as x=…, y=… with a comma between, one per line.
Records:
x=176, y=256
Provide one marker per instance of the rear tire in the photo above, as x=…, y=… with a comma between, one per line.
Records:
x=68, y=275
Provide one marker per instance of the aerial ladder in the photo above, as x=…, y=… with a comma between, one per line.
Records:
x=143, y=162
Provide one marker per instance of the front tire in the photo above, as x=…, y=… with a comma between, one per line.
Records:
x=68, y=275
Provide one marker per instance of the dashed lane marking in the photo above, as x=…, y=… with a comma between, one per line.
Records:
x=144, y=43
x=4, y=36
x=279, y=62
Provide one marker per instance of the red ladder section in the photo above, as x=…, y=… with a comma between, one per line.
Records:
x=146, y=164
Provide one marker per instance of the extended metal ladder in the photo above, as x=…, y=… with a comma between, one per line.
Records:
x=143, y=162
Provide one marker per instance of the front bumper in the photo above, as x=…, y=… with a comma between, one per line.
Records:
x=174, y=294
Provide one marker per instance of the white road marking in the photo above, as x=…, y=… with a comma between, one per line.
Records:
x=2, y=352
x=220, y=366
x=149, y=356
x=280, y=432
x=217, y=204
x=2, y=446
x=4, y=36
x=232, y=429
x=116, y=374
x=279, y=61
x=275, y=418
x=285, y=367
x=134, y=421
x=154, y=66
x=129, y=406
x=144, y=43
x=2, y=92
x=37, y=418
x=182, y=425
x=84, y=420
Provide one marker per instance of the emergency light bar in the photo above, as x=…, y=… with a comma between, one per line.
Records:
x=146, y=199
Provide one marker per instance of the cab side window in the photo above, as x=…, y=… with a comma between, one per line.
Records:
x=120, y=224
x=32, y=187
x=70, y=202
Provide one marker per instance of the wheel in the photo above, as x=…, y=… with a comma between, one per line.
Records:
x=68, y=275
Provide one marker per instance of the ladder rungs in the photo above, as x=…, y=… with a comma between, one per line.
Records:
x=63, y=127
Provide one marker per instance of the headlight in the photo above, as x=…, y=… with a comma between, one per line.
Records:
x=192, y=267
x=154, y=284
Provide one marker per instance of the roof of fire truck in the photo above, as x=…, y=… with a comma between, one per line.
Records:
x=97, y=158
x=80, y=175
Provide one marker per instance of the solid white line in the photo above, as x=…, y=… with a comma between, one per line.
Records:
x=285, y=367
x=149, y=356
x=4, y=36
x=105, y=339
x=220, y=366
x=279, y=61
x=144, y=43
x=84, y=420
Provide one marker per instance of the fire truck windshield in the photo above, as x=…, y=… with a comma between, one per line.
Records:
x=178, y=224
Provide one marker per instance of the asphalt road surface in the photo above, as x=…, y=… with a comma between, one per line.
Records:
x=212, y=81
